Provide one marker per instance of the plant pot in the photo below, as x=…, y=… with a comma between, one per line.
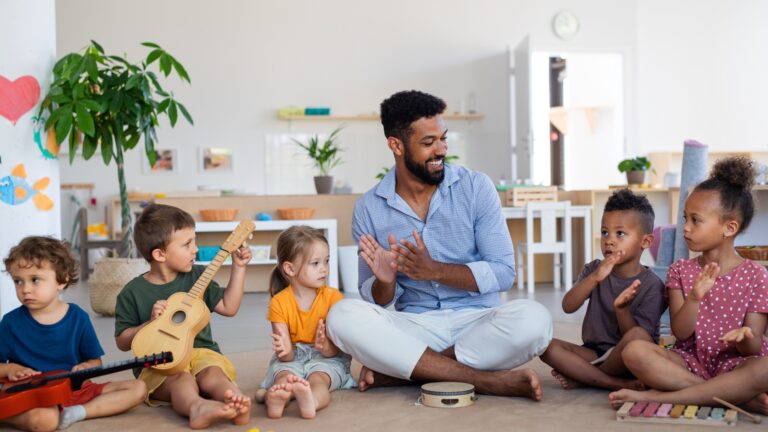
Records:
x=109, y=277
x=324, y=184
x=635, y=177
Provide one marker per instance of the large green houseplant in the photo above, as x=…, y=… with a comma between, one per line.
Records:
x=109, y=103
x=325, y=155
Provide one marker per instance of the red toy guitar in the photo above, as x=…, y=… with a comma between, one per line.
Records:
x=53, y=388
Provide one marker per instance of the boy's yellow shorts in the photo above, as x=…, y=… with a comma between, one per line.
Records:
x=201, y=359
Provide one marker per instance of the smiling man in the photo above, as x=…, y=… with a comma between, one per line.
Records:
x=434, y=243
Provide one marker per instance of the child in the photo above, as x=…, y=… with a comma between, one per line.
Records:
x=718, y=303
x=165, y=236
x=45, y=334
x=626, y=300
x=306, y=364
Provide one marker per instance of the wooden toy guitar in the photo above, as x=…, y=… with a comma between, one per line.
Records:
x=53, y=388
x=175, y=330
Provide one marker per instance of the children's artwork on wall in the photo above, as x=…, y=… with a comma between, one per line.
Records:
x=216, y=160
x=17, y=97
x=15, y=190
x=51, y=148
x=166, y=162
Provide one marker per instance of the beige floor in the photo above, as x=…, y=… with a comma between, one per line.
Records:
x=244, y=339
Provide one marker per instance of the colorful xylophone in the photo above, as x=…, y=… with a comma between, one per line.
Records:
x=656, y=412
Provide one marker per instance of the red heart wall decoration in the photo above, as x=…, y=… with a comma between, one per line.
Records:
x=18, y=97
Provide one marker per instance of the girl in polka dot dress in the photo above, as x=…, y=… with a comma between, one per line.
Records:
x=718, y=303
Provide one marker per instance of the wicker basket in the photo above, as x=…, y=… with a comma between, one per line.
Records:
x=754, y=253
x=109, y=277
x=296, y=213
x=218, y=215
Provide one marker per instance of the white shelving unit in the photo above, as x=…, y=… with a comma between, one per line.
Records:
x=329, y=226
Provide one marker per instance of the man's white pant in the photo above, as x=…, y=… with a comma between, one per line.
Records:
x=391, y=342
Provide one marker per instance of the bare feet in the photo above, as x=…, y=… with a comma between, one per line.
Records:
x=370, y=378
x=277, y=398
x=523, y=382
x=304, y=397
x=758, y=405
x=205, y=412
x=565, y=382
x=618, y=397
x=241, y=404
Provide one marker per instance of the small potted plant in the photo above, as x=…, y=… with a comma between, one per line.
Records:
x=635, y=169
x=325, y=155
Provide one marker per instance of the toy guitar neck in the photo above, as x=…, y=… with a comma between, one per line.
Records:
x=54, y=388
x=186, y=313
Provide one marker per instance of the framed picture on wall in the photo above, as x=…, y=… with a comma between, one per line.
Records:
x=166, y=161
x=216, y=160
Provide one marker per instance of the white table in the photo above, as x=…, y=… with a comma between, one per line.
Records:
x=577, y=211
x=327, y=225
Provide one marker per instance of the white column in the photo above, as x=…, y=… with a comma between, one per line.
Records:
x=27, y=55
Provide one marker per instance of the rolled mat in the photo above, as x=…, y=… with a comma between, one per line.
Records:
x=694, y=171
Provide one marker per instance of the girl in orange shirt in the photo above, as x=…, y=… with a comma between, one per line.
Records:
x=306, y=365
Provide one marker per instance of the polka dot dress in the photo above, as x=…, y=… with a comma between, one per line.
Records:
x=743, y=290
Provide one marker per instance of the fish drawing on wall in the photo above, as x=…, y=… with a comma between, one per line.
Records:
x=51, y=149
x=15, y=190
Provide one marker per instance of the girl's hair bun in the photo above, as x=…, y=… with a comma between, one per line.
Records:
x=737, y=172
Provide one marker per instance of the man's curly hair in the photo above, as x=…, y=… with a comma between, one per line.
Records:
x=405, y=107
x=625, y=199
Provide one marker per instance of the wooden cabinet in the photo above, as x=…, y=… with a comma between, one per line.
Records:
x=266, y=233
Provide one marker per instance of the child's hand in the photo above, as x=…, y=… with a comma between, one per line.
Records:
x=20, y=372
x=320, y=336
x=606, y=266
x=705, y=281
x=279, y=347
x=159, y=308
x=625, y=298
x=81, y=366
x=737, y=335
x=242, y=256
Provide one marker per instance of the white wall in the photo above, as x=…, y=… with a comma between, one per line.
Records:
x=701, y=74
x=27, y=48
x=247, y=58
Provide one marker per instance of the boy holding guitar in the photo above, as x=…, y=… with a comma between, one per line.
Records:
x=45, y=334
x=165, y=237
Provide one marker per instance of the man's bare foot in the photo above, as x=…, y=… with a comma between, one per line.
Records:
x=523, y=382
x=304, y=397
x=618, y=397
x=205, y=412
x=277, y=398
x=370, y=379
x=758, y=405
x=565, y=382
x=241, y=404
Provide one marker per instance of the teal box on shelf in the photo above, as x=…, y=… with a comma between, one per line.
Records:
x=207, y=253
x=317, y=111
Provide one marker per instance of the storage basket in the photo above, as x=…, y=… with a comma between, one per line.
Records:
x=218, y=215
x=109, y=277
x=754, y=253
x=296, y=213
x=521, y=195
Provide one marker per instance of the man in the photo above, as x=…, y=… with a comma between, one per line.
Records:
x=433, y=242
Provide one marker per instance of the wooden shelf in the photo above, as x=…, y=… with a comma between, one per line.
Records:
x=367, y=117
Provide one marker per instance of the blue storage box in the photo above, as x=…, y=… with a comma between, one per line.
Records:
x=207, y=253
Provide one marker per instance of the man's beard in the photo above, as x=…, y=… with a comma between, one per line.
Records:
x=421, y=171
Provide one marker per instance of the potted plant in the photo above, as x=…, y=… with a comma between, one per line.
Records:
x=325, y=155
x=105, y=102
x=635, y=169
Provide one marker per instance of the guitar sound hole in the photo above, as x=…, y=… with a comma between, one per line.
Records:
x=178, y=317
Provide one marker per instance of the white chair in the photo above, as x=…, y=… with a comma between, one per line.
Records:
x=548, y=214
